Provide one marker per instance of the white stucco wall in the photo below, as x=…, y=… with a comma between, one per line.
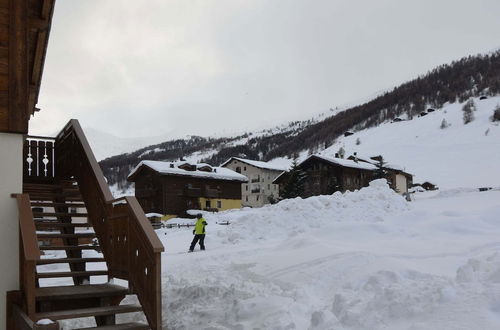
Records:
x=263, y=181
x=11, y=180
x=401, y=184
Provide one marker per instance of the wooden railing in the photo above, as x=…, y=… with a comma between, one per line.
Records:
x=130, y=246
x=29, y=253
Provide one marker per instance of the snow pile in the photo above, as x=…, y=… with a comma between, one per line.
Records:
x=294, y=216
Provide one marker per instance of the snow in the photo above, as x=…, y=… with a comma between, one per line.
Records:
x=359, y=260
x=220, y=173
x=458, y=156
x=152, y=214
x=345, y=162
x=258, y=164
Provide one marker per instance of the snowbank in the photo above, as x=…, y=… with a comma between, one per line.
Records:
x=291, y=217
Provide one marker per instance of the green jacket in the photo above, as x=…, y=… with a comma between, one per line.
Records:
x=199, y=227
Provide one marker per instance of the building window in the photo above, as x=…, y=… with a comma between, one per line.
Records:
x=246, y=187
x=244, y=168
x=257, y=197
x=238, y=169
x=246, y=198
x=207, y=204
x=219, y=204
x=268, y=187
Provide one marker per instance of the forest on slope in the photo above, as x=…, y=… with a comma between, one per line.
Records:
x=456, y=82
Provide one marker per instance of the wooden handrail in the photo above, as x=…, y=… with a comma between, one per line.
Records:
x=130, y=246
x=27, y=228
x=144, y=224
x=30, y=252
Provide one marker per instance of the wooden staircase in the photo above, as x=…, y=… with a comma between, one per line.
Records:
x=81, y=251
x=69, y=243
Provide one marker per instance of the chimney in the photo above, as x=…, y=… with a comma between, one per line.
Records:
x=336, y=155
x=356, y=157
x=215, y=170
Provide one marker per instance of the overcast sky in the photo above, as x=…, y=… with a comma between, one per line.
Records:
x=156, y=67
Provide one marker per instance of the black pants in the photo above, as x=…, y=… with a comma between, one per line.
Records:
x=196, y=238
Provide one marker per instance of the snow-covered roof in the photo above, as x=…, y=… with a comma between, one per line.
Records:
x=172, y=168
x=257, y=163
x=344, y=162
x=369, y=159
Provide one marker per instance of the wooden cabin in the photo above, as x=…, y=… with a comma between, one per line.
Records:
x=325, y=175
x=42, y=180
x=172, y=188
x=397, y=177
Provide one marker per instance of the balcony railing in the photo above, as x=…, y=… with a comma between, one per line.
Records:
x=39, y=158
x=192, y=192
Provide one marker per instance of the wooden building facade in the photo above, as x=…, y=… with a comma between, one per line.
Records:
x=325, y=175
x=172, y=188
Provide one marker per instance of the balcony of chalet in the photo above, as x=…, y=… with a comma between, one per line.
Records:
x=201, y=192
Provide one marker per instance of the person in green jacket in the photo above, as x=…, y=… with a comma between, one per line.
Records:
x=199, y=233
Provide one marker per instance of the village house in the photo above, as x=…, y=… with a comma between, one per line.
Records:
x=172, y=188
x=260, y=190
x=325, y=175
x=398, y=179
x=53, y=197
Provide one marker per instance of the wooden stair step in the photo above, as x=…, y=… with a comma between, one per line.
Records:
x=72, y=274
x=60, y=214
x=67, y=260
x=58, y=204
x=80, y=292
x=57, y=235
x=69, y=247
x=124, y=326
x=61, y=224
x=87, y=312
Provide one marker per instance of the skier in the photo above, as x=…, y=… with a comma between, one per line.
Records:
x=199, y=233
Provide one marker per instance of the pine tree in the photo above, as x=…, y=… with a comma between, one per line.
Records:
x=468, y=110
x=380, y=172
x=444, y=124
x=294, y=185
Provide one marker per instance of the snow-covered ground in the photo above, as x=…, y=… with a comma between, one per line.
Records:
x=360, y=260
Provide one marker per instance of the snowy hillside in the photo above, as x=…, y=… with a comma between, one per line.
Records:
x=106, y=145
x=457, y=156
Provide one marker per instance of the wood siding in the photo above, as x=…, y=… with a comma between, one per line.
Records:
x=174, y=195
x=324, y=178
x=24, y=32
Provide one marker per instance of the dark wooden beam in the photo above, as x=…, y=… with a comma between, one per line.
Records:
x=18, y=66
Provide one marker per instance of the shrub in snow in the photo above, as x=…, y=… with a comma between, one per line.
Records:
x=496, y=114
x=358, y=141
x=468, y=110
x=444, y=124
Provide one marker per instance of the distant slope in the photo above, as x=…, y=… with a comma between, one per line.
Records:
x=457, y=156
x=456, y=82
